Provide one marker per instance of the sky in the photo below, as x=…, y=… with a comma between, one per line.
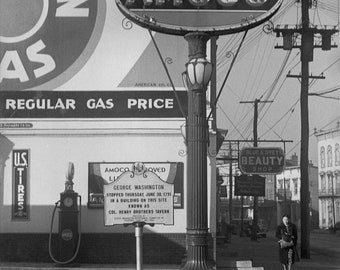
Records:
x=259, y=72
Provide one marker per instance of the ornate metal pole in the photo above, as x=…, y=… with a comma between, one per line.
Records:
x=197, y=139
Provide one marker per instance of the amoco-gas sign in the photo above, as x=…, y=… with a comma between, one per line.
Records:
x=210, y=16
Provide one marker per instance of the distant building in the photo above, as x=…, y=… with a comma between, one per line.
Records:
x=288, y=185
x=329, y=176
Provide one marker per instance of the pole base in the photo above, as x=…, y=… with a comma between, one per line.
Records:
x=68, y=265
x=198, y=265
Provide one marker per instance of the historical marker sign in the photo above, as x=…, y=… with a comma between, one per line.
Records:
x=265, y=160
x=217, y=17
x=247, y=185
x=138, y=196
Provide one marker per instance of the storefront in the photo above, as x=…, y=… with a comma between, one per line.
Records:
x=104, y=109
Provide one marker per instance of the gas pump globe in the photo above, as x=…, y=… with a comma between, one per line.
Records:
x=68, y=198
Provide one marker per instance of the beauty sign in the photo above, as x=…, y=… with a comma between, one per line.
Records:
x=261, y=160
x=138, y=196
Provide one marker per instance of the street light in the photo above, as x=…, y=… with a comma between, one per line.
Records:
x=196, y=78
x=198, y=74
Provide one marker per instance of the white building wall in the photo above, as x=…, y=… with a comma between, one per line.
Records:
x=329, y=176
x=291, y=176
x=53, y=143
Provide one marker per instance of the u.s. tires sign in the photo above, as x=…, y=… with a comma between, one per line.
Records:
x=211, y=16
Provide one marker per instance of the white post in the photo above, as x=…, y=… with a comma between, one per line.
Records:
x=139, y=245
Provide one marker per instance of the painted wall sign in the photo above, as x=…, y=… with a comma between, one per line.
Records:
x=138, y=195
x=246, y=185
x=94, y=104
x=45, y=42
x=265, y=160
x=214, y=16
x=101, y=174
x=20, y=206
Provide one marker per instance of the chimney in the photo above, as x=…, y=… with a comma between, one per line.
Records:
x=295, y=160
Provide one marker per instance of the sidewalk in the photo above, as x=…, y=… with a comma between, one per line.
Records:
x=325, y=252
x=51, y=266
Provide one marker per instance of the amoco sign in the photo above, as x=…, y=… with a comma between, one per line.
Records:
x=210, y=16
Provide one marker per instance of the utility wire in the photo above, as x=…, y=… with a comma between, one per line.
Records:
x=227, y=75
x=168, y=74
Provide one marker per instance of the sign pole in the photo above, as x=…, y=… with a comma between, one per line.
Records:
x=139, y=244
x=255, y=218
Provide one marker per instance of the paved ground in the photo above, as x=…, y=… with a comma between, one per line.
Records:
x=325, y=254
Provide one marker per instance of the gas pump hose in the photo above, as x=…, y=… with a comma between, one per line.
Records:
x=50, y=237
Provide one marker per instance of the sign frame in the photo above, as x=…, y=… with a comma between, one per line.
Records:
x=249, y=21
x=96, y=181
x=250, y=185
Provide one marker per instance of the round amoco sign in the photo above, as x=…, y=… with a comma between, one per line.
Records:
x=43, y=43
x=216, y=17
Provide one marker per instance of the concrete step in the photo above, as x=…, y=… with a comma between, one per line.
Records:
x=237, y=265
x=240, y=268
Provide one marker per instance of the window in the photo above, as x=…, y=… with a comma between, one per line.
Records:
x=329, y=156
x=330, y=183
x=337, y=155
x=322, y=156
x=323, y=183
x=337, y=184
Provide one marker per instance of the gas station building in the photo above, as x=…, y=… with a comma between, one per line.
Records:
x=88, y=100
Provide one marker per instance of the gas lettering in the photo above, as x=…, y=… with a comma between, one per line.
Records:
x=12, y=66
x=100, y=104
x=71, y=8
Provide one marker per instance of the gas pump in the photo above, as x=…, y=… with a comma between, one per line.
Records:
x=69, y=232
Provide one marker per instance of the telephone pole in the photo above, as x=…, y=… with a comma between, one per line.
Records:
x=256, y=199
x=307, y=33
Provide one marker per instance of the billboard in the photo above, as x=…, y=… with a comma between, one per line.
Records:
x=76, y=45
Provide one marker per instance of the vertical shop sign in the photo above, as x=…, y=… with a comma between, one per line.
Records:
x=20, y=204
